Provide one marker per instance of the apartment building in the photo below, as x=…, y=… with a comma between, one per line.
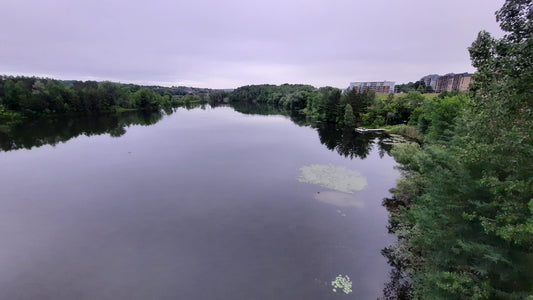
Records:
x=431, y=80
x=376, y=86
x=452, y=82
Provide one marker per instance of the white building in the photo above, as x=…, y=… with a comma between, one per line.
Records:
x=376, y=86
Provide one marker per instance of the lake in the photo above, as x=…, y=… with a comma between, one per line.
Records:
x=202, y=203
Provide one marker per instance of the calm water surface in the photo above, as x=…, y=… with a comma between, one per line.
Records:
x=203, y=204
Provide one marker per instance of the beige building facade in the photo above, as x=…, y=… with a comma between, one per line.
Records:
x=453, y=82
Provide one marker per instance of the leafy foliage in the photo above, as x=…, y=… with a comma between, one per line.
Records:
x=349, y=119
x=463, y=211
x=419, y=86
x=500, y=126
x=44, y=96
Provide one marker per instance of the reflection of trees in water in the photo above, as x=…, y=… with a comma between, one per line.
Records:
x=349, y=143
x=50, y=131
x=29, y=133
x=53, y=130
x=268, y=110
x=345, y=141
x=399, y=286
x=256, y=109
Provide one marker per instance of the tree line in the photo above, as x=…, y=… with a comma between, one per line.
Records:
x=36, y=132
x=38, y=96
x=42, y=96
x=351, y=108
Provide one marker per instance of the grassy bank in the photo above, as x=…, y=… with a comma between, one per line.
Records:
x=427, y=96
x=404, y=130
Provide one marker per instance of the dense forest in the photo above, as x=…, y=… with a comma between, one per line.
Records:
x=31, y=96
x=463, y=208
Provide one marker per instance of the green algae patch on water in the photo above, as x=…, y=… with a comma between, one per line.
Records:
x=343, y=283
x=333, y=177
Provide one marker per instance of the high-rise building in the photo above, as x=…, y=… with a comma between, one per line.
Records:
x=431, y=80
x=444, y=83
x=465, y=82
x=453, y=82
x=376, y=86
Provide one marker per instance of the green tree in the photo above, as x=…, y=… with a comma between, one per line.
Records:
x=349, y=119
x=13, y=93
x=146, y=99
x=440, y=116
x=359, y=101
x=500, y=124
x=56, y=94
x=468, y=192
x=110, y=94
x=330, y=104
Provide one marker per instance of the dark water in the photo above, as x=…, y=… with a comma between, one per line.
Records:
x=201, y=204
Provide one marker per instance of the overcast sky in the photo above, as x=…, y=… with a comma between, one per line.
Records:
x=230, y=43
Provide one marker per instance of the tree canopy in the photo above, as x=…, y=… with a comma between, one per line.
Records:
x=463, y=211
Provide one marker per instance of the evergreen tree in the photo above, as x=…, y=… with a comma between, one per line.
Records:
x=349, y=119
x=500, y=124
x=467, y=230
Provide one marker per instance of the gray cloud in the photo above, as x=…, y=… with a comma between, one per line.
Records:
x=231, y=43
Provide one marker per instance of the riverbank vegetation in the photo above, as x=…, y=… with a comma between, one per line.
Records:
x=412, y=114
x=31, y=96
x=463, y=208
